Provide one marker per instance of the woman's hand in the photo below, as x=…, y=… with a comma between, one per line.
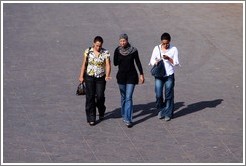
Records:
x=141, y=79
x=81, y=79
x=108, y=78
x=168, y=58
x=157, y=61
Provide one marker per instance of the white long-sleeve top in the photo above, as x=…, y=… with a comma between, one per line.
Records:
x=172, y=52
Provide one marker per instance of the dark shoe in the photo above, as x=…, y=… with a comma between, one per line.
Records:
x=129, y=124
x=91, y=123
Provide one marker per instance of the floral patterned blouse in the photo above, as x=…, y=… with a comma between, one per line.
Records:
x=96, y=65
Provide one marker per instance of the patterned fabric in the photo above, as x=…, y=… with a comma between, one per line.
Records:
x=127, y=50
x=96, y=65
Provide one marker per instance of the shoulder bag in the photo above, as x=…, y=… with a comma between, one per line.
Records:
x=158, y=70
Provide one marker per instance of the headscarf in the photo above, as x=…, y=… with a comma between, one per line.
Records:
x=124, y=36
x=128, y=49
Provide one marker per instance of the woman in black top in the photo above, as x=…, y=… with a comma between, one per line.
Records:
x=127, y=77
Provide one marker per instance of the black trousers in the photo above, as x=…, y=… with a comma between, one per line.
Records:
x=95, y=88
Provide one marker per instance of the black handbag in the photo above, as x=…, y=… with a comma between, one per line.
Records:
x=81, y=90
x=158, y=70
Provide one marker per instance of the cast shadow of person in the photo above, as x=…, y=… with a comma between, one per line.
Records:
x=149, y=111
x=141, y=112
x=146, y=109
x=191, y=108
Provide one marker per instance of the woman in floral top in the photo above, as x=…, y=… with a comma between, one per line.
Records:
x=95, y=71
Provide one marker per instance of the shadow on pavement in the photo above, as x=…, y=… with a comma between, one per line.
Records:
x=148, y=111
x=191, y=108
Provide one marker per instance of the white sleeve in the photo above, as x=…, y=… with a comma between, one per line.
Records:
x=175, y=57
x=155, y=55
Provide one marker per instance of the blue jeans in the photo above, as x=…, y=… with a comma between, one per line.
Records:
x=126, y=91
x=167, y=107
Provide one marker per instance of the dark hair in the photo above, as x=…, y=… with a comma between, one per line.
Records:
x=98, y=39
x=166, y=36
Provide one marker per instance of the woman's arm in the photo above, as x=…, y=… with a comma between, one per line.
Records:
x=155, y=57
x=139, y=65
x=83, y=68
x=172, y=56
x=116, y=60
x=168, y=58
x=108, y=69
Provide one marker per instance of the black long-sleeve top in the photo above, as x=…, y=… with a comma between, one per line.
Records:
x=127, y=73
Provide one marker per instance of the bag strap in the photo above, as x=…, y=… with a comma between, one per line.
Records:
x=89, y=50
x=87, y=57
x=159, y=51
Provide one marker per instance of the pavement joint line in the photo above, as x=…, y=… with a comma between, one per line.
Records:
x=221, y=140
x=84, y=139
x=219, y=49
x=143, y=160
x=30, y=120
x=170, y=133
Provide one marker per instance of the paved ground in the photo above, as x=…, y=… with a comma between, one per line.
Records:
x=44, y=121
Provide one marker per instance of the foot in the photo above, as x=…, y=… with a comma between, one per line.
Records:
x=91, y=123
x=167, y=118
x=129, y=124
x=160, y=115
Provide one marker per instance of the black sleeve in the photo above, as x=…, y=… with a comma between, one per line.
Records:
x=116, y=60
x=138, y=63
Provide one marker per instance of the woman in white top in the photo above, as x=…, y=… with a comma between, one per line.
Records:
x=169, y=54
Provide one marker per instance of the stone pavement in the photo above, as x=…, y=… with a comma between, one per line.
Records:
x=44, y=121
